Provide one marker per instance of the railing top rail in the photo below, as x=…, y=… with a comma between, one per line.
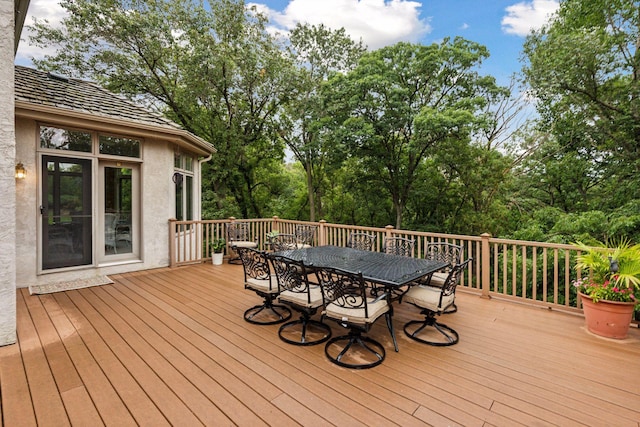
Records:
x=435, y=234
x=532, y=243
x=343, y=226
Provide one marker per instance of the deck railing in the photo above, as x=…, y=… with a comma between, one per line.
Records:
x=529, y=272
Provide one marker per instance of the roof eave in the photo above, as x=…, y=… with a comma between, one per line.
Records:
x=73, y=117
x=20, y=13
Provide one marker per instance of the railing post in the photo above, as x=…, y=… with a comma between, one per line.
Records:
x=485, y=265
x=172, y=243
x=274, y=223
x=387, y=235
x=322, y=238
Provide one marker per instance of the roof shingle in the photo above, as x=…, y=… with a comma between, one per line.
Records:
x=39, y=88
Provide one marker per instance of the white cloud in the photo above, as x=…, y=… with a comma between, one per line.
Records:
x=42, y=9
x=525, y=16
x=377, y=22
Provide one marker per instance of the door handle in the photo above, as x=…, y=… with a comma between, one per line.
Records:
x=43, y=210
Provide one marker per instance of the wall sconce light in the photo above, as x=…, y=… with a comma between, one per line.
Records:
x=177, y=178
x=21, y=172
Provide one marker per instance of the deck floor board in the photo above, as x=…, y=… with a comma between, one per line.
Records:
x=170, y=347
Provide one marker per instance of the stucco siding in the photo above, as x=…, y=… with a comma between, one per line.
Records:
x=26, y=201
x=7, y=179
x=158, y=202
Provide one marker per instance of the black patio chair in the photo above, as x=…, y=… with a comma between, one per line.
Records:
x=347, y=302
x=305, y=234
x=446, y=252
x=362, y=241
x=399, y=246
x=238, y=236
x=434, y=301
x=302, y=296
x=283, y=242
x=258, y=278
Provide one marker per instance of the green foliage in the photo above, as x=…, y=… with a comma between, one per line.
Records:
x=403, y=100
x=317, y=53
x=583, y=69
x=613, y=271
x=596, y=260
x=217, y=245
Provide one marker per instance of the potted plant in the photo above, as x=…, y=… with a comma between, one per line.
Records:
x=217, y=250
x=610, y=292
x=271, y=235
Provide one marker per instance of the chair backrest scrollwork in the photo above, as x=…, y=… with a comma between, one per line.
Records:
x=291, y=275
x=362, y=241
x=305, y=233
x=283, y=242
x=453, y=278
x=238, y=232
x=344, y=289
x=447, y=252
x=399, y=246
x=254, y=263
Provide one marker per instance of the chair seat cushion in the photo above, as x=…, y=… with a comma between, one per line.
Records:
x=438, y=279
x=263, y=285
x=244, y=244
x=300, y=298
x=292, y=246
x=428, y=297
x=356, y=315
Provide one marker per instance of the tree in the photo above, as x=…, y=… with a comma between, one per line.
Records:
x=317, y=52
x=216, y=72
x=584, y=68
x=403, y=100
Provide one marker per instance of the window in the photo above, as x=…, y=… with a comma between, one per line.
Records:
x=118, y=146
x=65, y=139
x=89, y=142
x=183, y=180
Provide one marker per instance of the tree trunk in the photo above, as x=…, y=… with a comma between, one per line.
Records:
x=310, y=192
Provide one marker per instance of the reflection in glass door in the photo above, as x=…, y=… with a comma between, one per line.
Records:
x=118, y=206
x=66, y=212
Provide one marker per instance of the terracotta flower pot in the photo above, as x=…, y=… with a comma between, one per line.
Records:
x=610, y=319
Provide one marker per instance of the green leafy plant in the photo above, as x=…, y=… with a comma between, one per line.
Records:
x=217, y=245
x=613, y=272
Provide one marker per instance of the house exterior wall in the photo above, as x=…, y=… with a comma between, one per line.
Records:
x=7, y=180
x=157, y=205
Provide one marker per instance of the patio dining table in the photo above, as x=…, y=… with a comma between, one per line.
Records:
x=389, y=271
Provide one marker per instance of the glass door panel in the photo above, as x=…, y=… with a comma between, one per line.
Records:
x=66, y=212
x=119, y=208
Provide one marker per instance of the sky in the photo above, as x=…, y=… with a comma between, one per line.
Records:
x=500, y=25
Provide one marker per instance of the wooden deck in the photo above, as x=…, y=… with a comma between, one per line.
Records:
x=170, y=347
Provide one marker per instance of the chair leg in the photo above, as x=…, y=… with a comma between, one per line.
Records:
x=368, y=348
x=451, y=309
x=450, y=335
x=307, y=327
x=281, y=312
